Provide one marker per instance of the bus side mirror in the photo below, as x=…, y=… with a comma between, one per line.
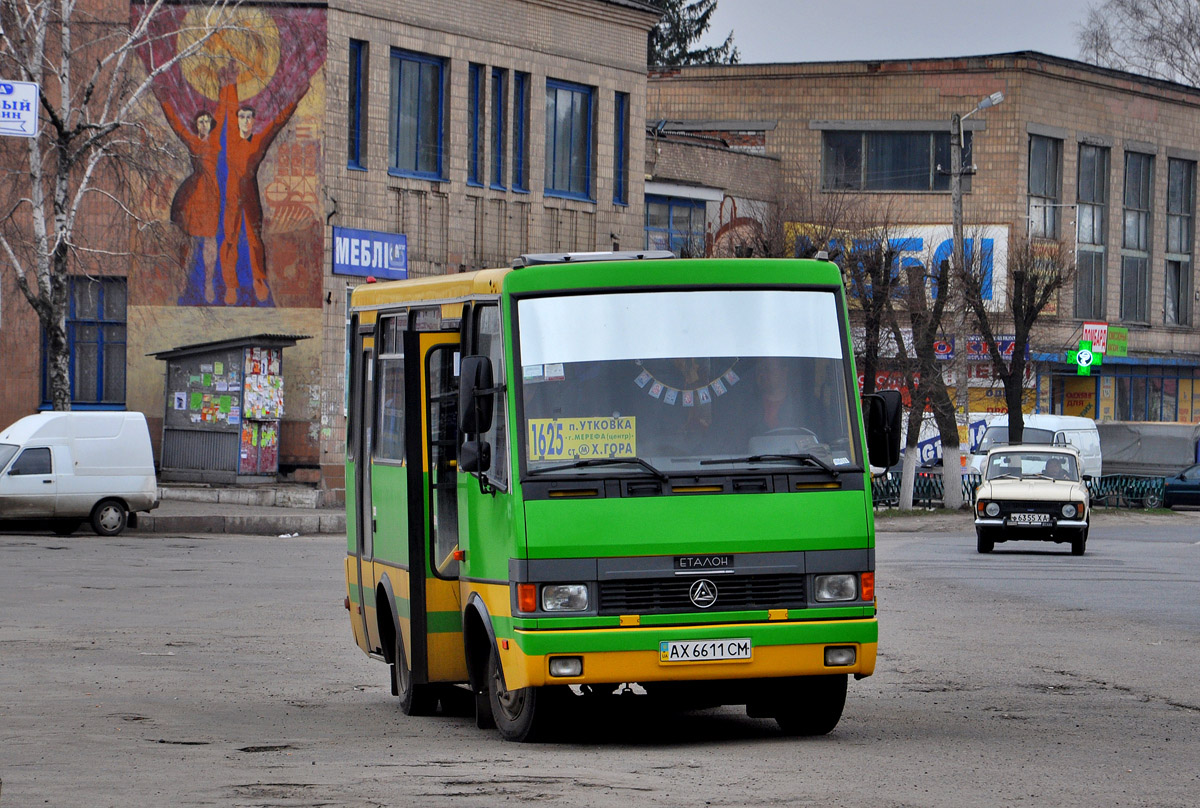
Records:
x=881, y=417
x=475, y=455
x=476, y=395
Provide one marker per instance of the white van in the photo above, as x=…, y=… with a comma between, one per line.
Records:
x=1045, y=428
x=59, y=468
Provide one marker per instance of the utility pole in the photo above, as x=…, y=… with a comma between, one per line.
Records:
x=952, y=465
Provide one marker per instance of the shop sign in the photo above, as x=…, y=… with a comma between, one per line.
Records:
x=370, y=253
x=1084, y=358
x=1097, y=335
x=1118, y=341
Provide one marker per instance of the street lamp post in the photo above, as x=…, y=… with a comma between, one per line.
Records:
x=962, y=380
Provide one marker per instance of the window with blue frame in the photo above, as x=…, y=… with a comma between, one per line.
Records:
x=621, y=149
x=520, y=137
x=356, y=110
x=416, y=107
x=499, y=124
x=675, y=224
x=474, y=124
x=96, y=342
x=569, y=121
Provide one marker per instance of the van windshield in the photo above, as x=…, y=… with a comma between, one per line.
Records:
x=7, y=450
x=998, y=435
x=676, y=381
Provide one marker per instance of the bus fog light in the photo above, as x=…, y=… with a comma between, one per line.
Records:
x=992, y=509
x=836, y=587
x=565, y=597
x=838, y=656
x=573, y=665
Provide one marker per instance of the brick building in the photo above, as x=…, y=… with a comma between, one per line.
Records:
x=1101, y=157
x=332, y=142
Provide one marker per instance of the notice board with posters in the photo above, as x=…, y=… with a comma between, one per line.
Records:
x=224, y=404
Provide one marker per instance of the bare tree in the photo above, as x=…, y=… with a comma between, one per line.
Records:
x=94, y=137
x=1158, y=38
x=1037, y=270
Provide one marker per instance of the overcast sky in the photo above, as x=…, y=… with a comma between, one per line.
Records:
x=830, y=30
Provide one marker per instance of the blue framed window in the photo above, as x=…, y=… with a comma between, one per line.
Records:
x=675, y=224
x=96, y=342
x=499, y=124
x=474, y=124
x=520, y=158
x=569, y=122
x=621, y=149
x=356, y=109
x=415, y=125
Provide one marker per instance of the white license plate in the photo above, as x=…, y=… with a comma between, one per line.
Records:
x=704, y=650
x=1035, y=519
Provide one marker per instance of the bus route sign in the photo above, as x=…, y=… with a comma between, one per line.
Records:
x=18, y=108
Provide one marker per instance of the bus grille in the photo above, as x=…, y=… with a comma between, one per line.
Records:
x=661, y=595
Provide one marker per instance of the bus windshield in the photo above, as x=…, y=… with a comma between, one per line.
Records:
x=677, y=381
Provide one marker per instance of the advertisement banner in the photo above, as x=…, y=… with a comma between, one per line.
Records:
x=369, y=252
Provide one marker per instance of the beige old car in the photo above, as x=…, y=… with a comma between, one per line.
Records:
x=1032, y=493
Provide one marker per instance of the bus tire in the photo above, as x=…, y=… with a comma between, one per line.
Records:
x=984, y=542
x=811, y=705
x=414, y=699
x=514, y=711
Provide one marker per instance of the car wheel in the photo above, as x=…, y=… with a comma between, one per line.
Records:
x=1152, y=500
x=811, y=705
x=983, y=540
x=1079, y=542
x=109, y=517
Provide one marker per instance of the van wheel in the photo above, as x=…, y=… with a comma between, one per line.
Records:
x=109, y=517
x=65, y=527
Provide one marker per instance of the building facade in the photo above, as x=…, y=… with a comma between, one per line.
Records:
x=1103, y=159
x=321, y=144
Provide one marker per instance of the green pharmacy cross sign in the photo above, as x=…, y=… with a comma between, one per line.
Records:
x=1085, y=358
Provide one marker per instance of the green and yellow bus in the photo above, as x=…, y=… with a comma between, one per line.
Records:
x=576, y=474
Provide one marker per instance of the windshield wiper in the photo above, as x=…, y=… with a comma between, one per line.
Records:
x=602, y=461
x=799, y=458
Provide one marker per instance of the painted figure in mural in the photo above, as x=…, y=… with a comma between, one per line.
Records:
x=243, y=216
x=196, y=208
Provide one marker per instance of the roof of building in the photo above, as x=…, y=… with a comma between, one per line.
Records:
x=987, y=61
x=254, y=340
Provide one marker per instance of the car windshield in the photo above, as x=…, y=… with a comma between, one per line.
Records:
x=998, y=436
x=685, y=381
x=7, y=450
x=1023, y=465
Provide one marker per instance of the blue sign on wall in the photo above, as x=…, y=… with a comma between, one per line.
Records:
x=368, y=252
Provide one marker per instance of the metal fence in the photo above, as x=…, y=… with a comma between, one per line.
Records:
x=1111, y=491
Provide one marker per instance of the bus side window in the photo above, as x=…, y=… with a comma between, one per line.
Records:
x=489, y=342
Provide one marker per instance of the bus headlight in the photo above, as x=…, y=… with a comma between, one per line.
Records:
x=992, y=509
x=1068, y=510
x=565, y=597
x=836, y=587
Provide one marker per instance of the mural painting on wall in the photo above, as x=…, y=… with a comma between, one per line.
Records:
x=244, y=107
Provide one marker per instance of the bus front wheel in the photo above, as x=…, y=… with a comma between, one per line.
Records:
x=811, y=705
x=515, y=711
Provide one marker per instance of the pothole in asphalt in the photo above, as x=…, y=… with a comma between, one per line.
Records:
x=272, y=748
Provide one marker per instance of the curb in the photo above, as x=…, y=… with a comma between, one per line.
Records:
x=256, y=525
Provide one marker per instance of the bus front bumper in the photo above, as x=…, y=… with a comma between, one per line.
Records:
x=640, y=654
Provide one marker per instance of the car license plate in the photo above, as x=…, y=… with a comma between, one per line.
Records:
x=1029, y=519
x=704, y=650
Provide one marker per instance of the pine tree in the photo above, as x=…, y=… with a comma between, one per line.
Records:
x=683, y=23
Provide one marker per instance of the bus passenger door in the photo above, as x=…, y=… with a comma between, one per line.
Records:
x=362, y=438
x=443, y=653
